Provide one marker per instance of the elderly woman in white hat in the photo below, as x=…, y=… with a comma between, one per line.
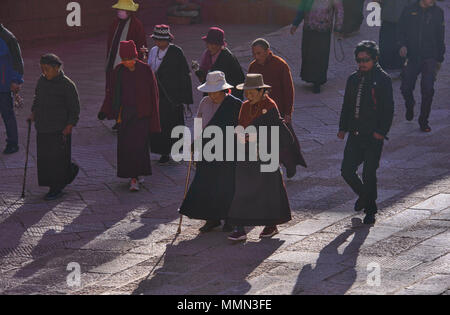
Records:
x=175, y=88
x=260, y=198
x=211, y=192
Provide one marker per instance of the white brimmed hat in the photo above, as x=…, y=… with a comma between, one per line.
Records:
x=253, y=81
x=215, y=82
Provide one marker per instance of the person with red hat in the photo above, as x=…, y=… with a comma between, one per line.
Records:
x=175, y=86
x=132, y=100
x=217, y=57
x=126, y=26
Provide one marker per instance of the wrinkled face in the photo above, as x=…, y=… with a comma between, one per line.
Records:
x=50, y=72
x=260, y=54
x=217, y=97
x=161, y=44
x=254, y=96
x=428, y=3
x=365, y=61
x=213, y=48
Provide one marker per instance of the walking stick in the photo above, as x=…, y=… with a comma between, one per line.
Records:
x=26, y=159
x=185, y=191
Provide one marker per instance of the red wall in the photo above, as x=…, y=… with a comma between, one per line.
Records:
x=40, y=21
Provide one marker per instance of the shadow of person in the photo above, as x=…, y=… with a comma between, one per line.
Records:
x=310, y=279
x=208, y=264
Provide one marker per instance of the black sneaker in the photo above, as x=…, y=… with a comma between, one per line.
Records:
x=237, y=236
x=409, y=113
x=291, y=171
x=425, y=128
x=209, y=226
x=53, y=195
x=10, y=149
x=359, y=205
x=164, y=159
x=268, y=231
x=369, y=219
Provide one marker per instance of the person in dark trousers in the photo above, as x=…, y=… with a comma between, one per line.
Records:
x=367, y=115
x=217, y=57
x=353, y=16
x=175, y=88
x=391, y=12
x=11, y=78
x=55, y=111
x=421, y=38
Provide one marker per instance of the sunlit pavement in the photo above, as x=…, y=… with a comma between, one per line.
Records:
x=126, y=243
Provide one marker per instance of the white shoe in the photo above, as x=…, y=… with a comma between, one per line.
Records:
x=134, y=185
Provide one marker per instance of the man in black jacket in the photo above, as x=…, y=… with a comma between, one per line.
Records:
x=421, y=38
x=367, y=115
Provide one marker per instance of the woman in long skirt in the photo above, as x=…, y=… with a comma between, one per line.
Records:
x=317, y=29
x=55, y=111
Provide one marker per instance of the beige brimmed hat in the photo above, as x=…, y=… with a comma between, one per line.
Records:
x=127, y=5
x=253, y=81
x=215, y=82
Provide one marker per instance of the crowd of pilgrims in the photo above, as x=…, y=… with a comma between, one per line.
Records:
x=147, y=92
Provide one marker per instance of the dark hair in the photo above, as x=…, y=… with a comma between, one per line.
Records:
x=262, y=43
x=51, y=60
x=368, y=46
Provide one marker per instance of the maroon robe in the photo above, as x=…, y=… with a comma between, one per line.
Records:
x=136, y=33
x=140, y=117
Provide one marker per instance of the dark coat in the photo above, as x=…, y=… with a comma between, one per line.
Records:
x=377, y=109
x=14, y=49
x=229, y=65
x=175, y=89
x=56, y=104
x=211, y=192
x=422, y=32
x=260, y=197
x=147, y=95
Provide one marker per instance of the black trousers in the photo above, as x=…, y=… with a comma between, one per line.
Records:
x=389, y=53
x=428, y=69
x=366, y=150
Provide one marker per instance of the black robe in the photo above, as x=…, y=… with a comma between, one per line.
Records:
x=228, y=64
x=175, y=89
x=260, y=198
x=210, y=194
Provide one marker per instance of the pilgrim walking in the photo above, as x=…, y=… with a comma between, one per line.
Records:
x=353, y=16
x=217, y=57
x=318, y=16
x=260, y=197
x=422, y=42
x=277, y=74
x=126, y=26
x=367, y=114
x=11, y=74
x=175, y=88
x=133, y=102
x=55, y=111
x=211, y=192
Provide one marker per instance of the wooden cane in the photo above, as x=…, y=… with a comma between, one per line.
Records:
x=26, y=160
x=185, y=191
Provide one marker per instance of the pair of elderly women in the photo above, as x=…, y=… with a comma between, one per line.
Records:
x=238, y=192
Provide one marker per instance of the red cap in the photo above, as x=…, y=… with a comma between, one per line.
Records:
x=128, y=50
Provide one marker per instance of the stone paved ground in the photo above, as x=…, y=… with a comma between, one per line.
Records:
x=125, y=242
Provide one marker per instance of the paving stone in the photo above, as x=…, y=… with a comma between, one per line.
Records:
x=438, y=202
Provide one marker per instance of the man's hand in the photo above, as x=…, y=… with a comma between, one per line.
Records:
x=288, y=119
x=293, y=29
x=15, y=88
x=377, y=136
x=403, y=51
x=341, y=135
x=68, y=130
